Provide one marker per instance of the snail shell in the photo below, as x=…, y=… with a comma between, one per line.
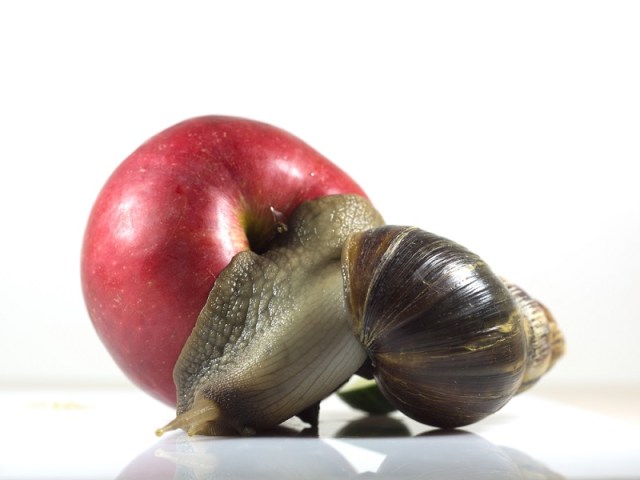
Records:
x=447, y=340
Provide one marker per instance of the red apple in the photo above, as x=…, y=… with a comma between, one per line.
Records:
x=172, y=216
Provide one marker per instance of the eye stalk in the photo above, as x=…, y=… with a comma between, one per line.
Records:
x=445, y=338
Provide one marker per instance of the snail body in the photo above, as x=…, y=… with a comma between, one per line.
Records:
x=446, y=339
x=273, y=338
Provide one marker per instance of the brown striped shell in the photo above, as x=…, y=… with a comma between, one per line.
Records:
x=447, y=340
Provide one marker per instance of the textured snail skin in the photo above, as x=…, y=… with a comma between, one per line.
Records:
x=273, y=338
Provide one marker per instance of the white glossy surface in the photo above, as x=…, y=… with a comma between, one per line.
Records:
x=103, y=435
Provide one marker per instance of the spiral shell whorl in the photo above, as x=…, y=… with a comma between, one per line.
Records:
x=443, y=334
x=545, y=341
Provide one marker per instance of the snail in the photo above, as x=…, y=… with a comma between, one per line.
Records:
x=340, y=292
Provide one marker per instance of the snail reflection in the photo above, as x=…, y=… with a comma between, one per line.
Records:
x=353, y=453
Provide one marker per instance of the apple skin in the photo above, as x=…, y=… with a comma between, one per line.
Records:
x=172, y=216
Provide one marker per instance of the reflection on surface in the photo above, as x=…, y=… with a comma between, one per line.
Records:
x=371, y=447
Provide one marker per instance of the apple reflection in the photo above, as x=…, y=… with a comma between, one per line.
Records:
x=371, y=447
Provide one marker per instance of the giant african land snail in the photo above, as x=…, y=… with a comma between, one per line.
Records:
x=446, y=339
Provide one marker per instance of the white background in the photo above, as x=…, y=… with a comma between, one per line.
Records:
x=513, y=128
